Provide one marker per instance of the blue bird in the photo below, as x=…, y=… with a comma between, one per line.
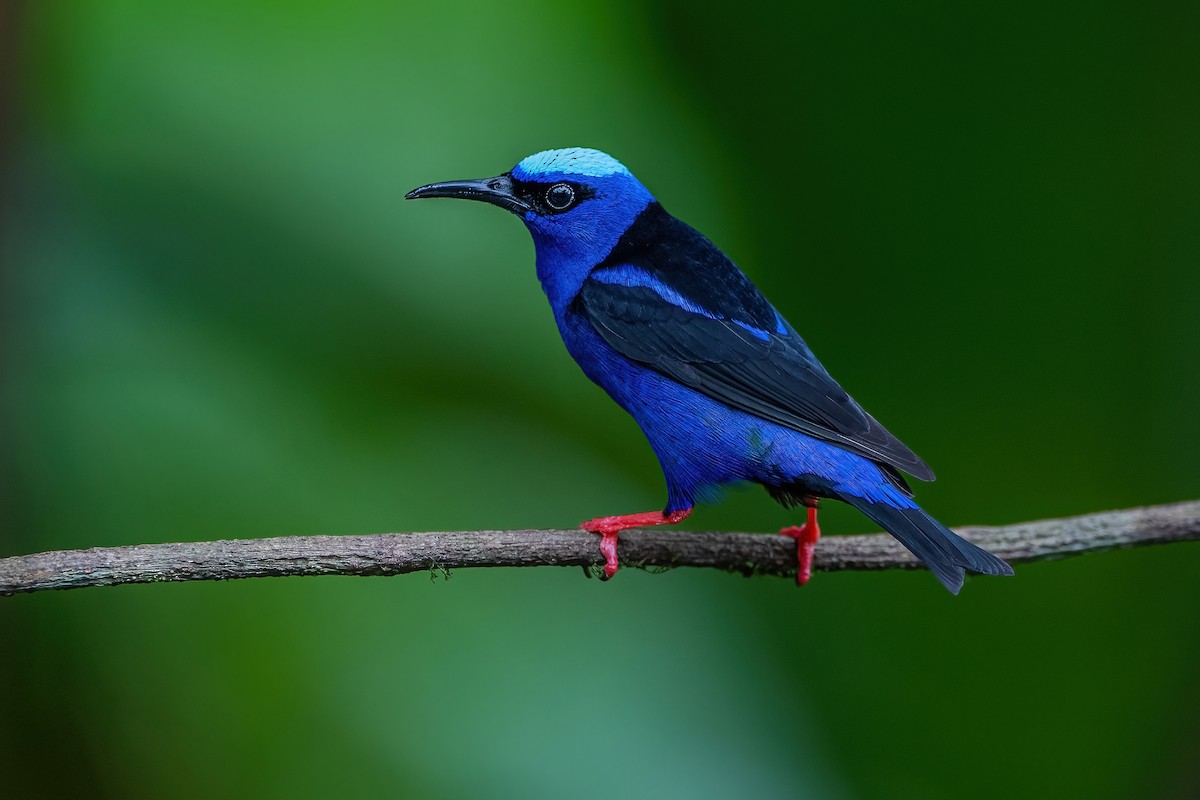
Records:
x=722, y=386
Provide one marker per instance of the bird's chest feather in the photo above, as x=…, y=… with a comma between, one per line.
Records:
x=669, y=413
x=606, y=367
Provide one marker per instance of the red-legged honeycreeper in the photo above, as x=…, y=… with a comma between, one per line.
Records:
x=722, y=386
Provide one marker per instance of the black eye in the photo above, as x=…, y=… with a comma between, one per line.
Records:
x=560, y=196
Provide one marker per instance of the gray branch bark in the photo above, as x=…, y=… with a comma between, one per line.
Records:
x=396, y=553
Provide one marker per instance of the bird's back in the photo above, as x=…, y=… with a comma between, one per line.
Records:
x=667, y=297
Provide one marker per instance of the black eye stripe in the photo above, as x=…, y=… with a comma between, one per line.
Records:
x=554, y=198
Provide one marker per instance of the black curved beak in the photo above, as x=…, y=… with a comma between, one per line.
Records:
x=498, y=191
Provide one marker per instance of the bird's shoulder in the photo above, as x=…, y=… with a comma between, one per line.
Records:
x=688, y=265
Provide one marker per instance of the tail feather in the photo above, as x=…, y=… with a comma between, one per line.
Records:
x=945, y=553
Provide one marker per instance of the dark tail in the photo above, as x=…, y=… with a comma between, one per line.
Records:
x=945, y=553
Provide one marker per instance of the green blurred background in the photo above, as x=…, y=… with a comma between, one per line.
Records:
x=219, y=319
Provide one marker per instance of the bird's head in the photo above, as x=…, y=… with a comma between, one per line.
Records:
x=576, y=203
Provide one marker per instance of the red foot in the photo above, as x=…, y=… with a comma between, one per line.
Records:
x=609, y=527
x=806, y=539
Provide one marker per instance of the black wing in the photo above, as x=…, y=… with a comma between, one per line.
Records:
x=667, y=298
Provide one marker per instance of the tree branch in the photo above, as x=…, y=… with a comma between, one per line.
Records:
x=396, y=553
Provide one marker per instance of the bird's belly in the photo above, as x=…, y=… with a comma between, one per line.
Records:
x=701, y=442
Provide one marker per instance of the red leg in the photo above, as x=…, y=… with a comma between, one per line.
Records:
x=806, y=539
x=609, y=527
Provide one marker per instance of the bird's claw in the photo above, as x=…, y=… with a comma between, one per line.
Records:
x=608, y=547
x=610, y=527
x=806, y=537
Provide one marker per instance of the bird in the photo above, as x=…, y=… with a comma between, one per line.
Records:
x=722, y=386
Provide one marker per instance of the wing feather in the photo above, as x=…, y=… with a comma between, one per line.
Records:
x=767, y=373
